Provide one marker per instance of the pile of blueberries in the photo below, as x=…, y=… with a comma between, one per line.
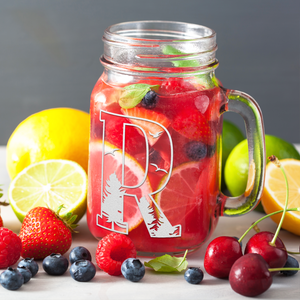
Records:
x=82, y=269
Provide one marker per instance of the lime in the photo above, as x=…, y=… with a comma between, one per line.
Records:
x=231, y=136
x=56, y=133
x=49, y=183
x=236, y=167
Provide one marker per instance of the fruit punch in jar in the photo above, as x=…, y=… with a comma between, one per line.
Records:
x=155, y=144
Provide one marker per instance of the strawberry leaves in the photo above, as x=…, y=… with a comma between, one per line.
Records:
x=167, y=263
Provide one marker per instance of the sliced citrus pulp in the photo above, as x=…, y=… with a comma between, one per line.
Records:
x=49, y=183
x=133, y=176
x=185, y=199
x=274, y=193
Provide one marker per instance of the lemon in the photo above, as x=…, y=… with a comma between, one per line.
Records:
x=231, y=136
x=236, y=167
x=56, y=133
x=49, y=183
x=274, y=194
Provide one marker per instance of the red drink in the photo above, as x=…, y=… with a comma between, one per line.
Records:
x=182, y=156
x=155, y=146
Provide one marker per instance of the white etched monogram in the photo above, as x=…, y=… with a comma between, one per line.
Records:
x=113, y=189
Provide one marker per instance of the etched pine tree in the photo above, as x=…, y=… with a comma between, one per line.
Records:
x=112, y=204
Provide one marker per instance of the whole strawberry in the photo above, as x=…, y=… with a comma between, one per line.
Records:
x=1, y=222
x=43, y=232
x=10, y=248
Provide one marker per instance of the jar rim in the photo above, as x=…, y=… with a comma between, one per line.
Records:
x=135, y=32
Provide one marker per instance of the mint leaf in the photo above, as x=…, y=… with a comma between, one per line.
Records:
x=169, y=50
x=167, y=263
x=133, y=94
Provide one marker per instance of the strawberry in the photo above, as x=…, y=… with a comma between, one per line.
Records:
x=1, y=222
x=43, y=232
x=152, y=130
x=195, y=126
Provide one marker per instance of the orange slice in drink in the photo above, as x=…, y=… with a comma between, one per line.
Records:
x=185, y=199
x=115, y=190
x=274, y=193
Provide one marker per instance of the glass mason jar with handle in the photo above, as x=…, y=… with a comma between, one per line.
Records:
x=155, y=144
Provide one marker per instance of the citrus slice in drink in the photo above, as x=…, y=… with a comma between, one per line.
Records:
x=115, y=194
x=274, y=193
x=49, y=183
x=185, y=198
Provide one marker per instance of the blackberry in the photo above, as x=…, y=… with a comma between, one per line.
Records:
x=150, y=100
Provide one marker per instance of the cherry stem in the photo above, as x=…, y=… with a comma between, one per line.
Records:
x=291, y=252
x=266, y=216
x=283, y=269
x=274, y=159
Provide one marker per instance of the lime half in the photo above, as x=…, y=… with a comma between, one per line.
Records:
x=50, y=183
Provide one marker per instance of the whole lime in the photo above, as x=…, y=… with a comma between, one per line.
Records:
x=231, y=136
x=236, y=167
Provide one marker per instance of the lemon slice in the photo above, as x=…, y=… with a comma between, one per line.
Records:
x=50, y=183
x=274, y=193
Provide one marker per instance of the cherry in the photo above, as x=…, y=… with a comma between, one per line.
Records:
x=260, y=243
x=249, y=275
x=220, y=255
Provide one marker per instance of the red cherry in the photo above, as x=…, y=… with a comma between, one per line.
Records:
x=220, y=255
x=249, y=275
x=275, y=256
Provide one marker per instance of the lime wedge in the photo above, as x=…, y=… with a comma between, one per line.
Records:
x=49, y=183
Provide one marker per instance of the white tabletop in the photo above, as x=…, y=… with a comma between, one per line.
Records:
x=153, y=285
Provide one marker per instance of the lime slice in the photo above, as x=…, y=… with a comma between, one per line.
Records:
x=50, y=183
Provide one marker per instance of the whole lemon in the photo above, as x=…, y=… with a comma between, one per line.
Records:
x=56, y=133
x=236, y=167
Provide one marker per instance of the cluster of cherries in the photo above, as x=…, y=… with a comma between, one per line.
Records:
x=250, y=274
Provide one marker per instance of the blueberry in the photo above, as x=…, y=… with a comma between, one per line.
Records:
x=149, y=100
x=290, y=263
x=11, y=279
x=26, y=273
x=237, y=240
x=31, y=264
x=195, y=150
x=55, y=264
x=193, y=275
x=132, y=269
x=83, y=270
x=79, y=253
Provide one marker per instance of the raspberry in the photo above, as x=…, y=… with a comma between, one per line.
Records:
x=112, y=250
x=10, y=248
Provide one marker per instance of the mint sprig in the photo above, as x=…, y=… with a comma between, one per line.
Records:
x=168, y=263
x=133, y=94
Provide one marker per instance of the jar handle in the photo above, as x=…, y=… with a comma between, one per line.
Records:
x=247, y=107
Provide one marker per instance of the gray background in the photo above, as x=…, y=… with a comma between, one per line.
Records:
x=49, y=52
